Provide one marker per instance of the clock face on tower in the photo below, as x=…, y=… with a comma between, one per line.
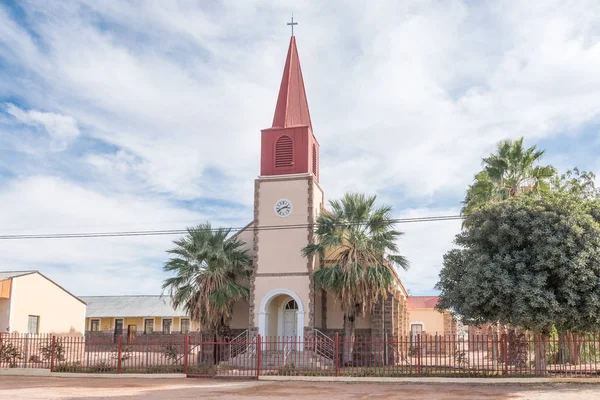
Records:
x=283, y=208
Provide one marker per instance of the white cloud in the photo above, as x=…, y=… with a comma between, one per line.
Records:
x=423, y=244
x=405, y=97
x=45, y=204
x=62, y=129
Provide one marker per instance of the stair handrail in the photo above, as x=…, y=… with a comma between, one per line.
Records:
x=328, y=344
x=236, y=343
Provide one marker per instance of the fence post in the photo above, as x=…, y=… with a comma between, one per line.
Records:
x=419, y=355
x=26, y=350
x=337, y=354
x=506, y=354
x=119, y=352
x=258, y=355
x=52, y=349
x=436, y=348
x=186, y=354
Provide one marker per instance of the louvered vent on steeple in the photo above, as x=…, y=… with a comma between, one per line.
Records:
x=284, y=152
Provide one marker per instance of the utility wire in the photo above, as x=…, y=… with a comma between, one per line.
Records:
x=232, y=229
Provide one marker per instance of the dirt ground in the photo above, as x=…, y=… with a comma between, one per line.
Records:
x=105, y=388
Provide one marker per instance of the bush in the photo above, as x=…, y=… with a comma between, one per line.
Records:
x=59, y=351
x=103, y=367
x=171, y=352
x=288, y=370
x=10, y=353
x=68, y=367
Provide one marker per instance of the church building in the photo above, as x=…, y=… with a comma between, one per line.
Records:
x=287, y=194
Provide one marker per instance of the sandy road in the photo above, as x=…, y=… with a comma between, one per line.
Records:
x=103, y=388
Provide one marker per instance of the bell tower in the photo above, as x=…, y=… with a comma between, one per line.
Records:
x=289, y=145
x=287, y=201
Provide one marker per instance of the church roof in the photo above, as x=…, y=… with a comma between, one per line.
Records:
x=421, y=302
x=292, y=105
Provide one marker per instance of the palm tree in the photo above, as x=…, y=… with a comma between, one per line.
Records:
x=210, y=270
x=511, y=171
x=356, y=246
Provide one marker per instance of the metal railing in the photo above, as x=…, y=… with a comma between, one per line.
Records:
x=572, y=355
x=239, y=344
x=324, y=345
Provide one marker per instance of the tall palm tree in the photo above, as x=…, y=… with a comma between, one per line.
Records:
x=511, y=171
x=210, y=270
x=357, y=249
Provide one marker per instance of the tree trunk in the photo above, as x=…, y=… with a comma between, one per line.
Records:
x=517, y=348
x=495, y=329
x=574, y=348
x=348, y=345
x=539, y=344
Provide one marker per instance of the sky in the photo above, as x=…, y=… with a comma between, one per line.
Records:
x=118, y=115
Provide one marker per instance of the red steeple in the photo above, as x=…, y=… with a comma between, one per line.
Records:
x=292, y=106
x=289, y=146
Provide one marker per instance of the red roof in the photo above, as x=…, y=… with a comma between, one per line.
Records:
x=292, y=105
x=421, y=302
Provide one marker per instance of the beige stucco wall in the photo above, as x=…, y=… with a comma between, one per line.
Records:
x=432, y=320
x=59, y=312
x=239, y=319
x=335, y=316
x=247, y=236
x=279, y=250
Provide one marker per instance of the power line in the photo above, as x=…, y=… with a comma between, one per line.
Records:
x=183, y=231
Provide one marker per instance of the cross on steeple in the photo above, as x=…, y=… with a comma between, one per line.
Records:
x=292, y=24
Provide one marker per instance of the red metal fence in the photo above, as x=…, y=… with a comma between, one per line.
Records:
x=249, y=356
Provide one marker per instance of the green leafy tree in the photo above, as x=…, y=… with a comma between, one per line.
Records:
x=510, y=171
x=577, y=183
x=210, y=271
x=529, y=261
x=357, y=247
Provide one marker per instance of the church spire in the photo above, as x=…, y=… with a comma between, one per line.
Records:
x=292, y=105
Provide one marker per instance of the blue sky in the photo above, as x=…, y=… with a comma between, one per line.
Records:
x=121, y=116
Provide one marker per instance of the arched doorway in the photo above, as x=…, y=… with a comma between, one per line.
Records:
x=281, y=319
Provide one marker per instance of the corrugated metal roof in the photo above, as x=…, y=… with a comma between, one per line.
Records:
x=421, y=302
x=129, y=306
x=13, y=274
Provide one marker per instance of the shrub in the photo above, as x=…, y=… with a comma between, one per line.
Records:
x=288, y=370
x=10, y=353
x=171, y=352
x=59, y=351
x=68, y=367
x=103, y=367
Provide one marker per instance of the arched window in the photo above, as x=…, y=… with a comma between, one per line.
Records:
x=284, y=152
x=291, y=305
x=314, y=159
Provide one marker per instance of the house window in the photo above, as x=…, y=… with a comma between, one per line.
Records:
x=33, y=324
x=118, y=326
x=95, y=325
x=284, y=152
x=185, y=325
x=148, y=326
x=167, y=323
